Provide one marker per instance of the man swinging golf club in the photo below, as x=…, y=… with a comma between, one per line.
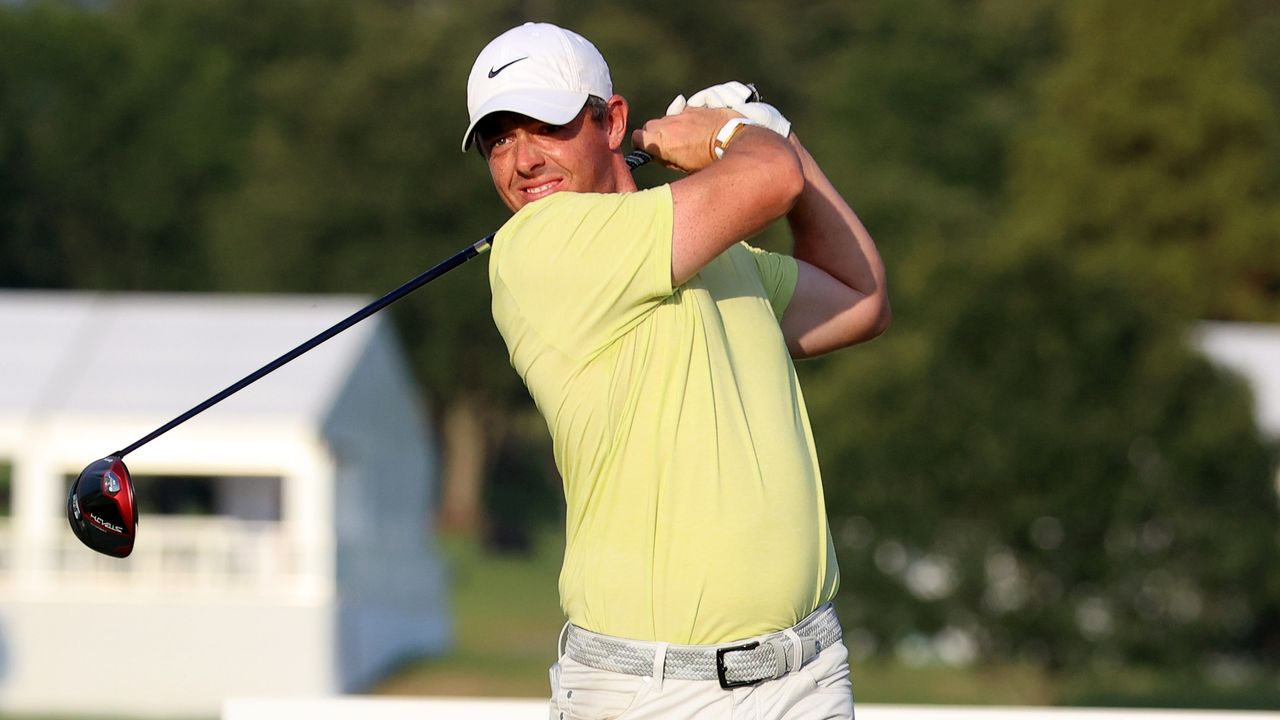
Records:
x=699, y=568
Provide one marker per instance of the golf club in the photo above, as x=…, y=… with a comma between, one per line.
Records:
x=101, y=507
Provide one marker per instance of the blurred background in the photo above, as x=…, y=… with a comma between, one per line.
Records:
x=1053, y=481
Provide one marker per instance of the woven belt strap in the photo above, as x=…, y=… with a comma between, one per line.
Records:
x=733, y=664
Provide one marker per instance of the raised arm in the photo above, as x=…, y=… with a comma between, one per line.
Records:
x=840, y=296
x=724, y=201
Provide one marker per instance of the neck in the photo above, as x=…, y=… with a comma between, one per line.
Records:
x=622, y=178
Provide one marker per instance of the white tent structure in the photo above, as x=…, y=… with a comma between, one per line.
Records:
x=284, y=545
x=1252, y=350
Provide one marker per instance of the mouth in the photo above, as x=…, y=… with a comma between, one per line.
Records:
x=541, y=190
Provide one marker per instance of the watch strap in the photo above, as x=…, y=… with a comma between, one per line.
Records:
x=727, y=133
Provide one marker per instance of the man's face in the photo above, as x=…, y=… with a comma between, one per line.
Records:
x=530, y=159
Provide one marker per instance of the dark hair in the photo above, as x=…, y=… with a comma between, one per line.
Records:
x=599, y=108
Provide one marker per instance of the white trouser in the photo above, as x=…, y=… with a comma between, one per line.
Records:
x=820, y=690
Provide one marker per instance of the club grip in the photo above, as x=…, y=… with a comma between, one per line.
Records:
x=636, y=158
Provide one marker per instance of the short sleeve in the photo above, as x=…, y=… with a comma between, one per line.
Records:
x=779, y=274
x=581, y=268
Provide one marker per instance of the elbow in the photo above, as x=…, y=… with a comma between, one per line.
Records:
x=883, y=315
x=875, y=320
x=884, y=318
x=809, y=336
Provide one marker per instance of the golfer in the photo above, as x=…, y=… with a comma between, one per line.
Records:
x=699, y=568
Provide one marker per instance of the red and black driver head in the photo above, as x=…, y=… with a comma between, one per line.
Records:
x=101, y=509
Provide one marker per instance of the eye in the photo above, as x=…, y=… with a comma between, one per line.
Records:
x=491, y=145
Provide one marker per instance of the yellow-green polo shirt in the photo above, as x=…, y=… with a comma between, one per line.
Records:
x=694, y=501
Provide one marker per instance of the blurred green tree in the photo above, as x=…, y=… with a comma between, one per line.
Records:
x=119, y=123
x=1040, y=464
x=1260, y=20
x=911, y=105
x=354, y=183
x=1150, y=154
x=108, y=142
x=1043, y=469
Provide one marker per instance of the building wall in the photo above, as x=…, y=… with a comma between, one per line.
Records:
x=135, y=657
x=318, y=594
x=389, y=577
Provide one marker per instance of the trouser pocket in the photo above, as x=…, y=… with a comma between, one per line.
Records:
x=554, y=674
x=585, y=693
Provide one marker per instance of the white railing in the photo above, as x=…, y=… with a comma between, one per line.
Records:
x=363, y=708
x=187, y=555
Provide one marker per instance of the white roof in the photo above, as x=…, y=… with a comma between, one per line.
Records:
x=153, y=356
x=1253, y=351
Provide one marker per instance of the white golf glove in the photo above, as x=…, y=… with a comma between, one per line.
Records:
x=733, y=95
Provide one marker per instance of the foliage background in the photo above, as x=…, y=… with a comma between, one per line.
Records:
x=1033, y=466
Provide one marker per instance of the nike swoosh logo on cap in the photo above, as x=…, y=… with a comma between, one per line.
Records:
x=494, y=73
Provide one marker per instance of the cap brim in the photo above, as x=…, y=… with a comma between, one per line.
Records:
x=557, y=107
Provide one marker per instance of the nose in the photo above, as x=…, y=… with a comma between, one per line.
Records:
x=528, y=155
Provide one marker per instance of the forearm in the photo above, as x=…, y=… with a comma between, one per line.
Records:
x=840, y=297
x=829, y=235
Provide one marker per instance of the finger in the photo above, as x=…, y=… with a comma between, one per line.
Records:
x=637, y=140
x=701, y=98
x=766, y=115
x=650, y=138
x=730, y=94
x=651, y=133
x=711, y=98
x=738, y=91
x=677, y=106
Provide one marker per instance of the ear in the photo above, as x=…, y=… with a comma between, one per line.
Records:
x=615, y=121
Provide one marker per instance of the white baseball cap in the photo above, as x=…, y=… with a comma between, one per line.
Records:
x=539, y=70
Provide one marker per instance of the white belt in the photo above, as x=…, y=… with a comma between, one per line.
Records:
x=733, y=664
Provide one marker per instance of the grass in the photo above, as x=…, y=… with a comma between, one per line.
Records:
x=1145, y=687
x=507, y=619
x=883, y=681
